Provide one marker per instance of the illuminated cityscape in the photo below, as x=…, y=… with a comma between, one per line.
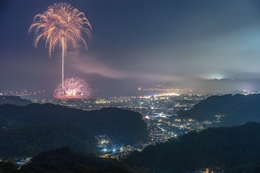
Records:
x=159, y=111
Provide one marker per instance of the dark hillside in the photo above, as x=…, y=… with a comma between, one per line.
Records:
x=216, y=148
x=234, y=109
x=14, y=100
x=122, y=126
x=65, y=160
x=31, y=140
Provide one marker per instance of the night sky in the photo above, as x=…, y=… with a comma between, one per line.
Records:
x=136, y=43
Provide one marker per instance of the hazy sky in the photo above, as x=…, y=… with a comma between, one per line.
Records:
x=135, y=43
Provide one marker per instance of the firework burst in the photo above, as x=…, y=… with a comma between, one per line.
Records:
x=73, y=88
x=61, y=25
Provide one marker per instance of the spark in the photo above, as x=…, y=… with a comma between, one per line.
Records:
x=73, y=88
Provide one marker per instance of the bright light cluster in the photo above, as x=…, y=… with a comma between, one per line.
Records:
x=60, y=25
x=74, y=87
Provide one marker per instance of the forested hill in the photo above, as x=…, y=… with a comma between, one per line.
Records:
x=230, y=149
x=234, y=109
x=15, y=100
x=122, y=126
x=31, y=140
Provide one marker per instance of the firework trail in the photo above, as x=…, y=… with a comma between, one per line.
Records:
x=73, y=88
x=61, y=25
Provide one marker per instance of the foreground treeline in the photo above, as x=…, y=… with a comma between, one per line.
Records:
x=229, y=149
x=232, y=149
x=122, y=125
x=234, y=109
x=64, y=160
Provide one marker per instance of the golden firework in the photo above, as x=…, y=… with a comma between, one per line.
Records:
x=61, y=25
